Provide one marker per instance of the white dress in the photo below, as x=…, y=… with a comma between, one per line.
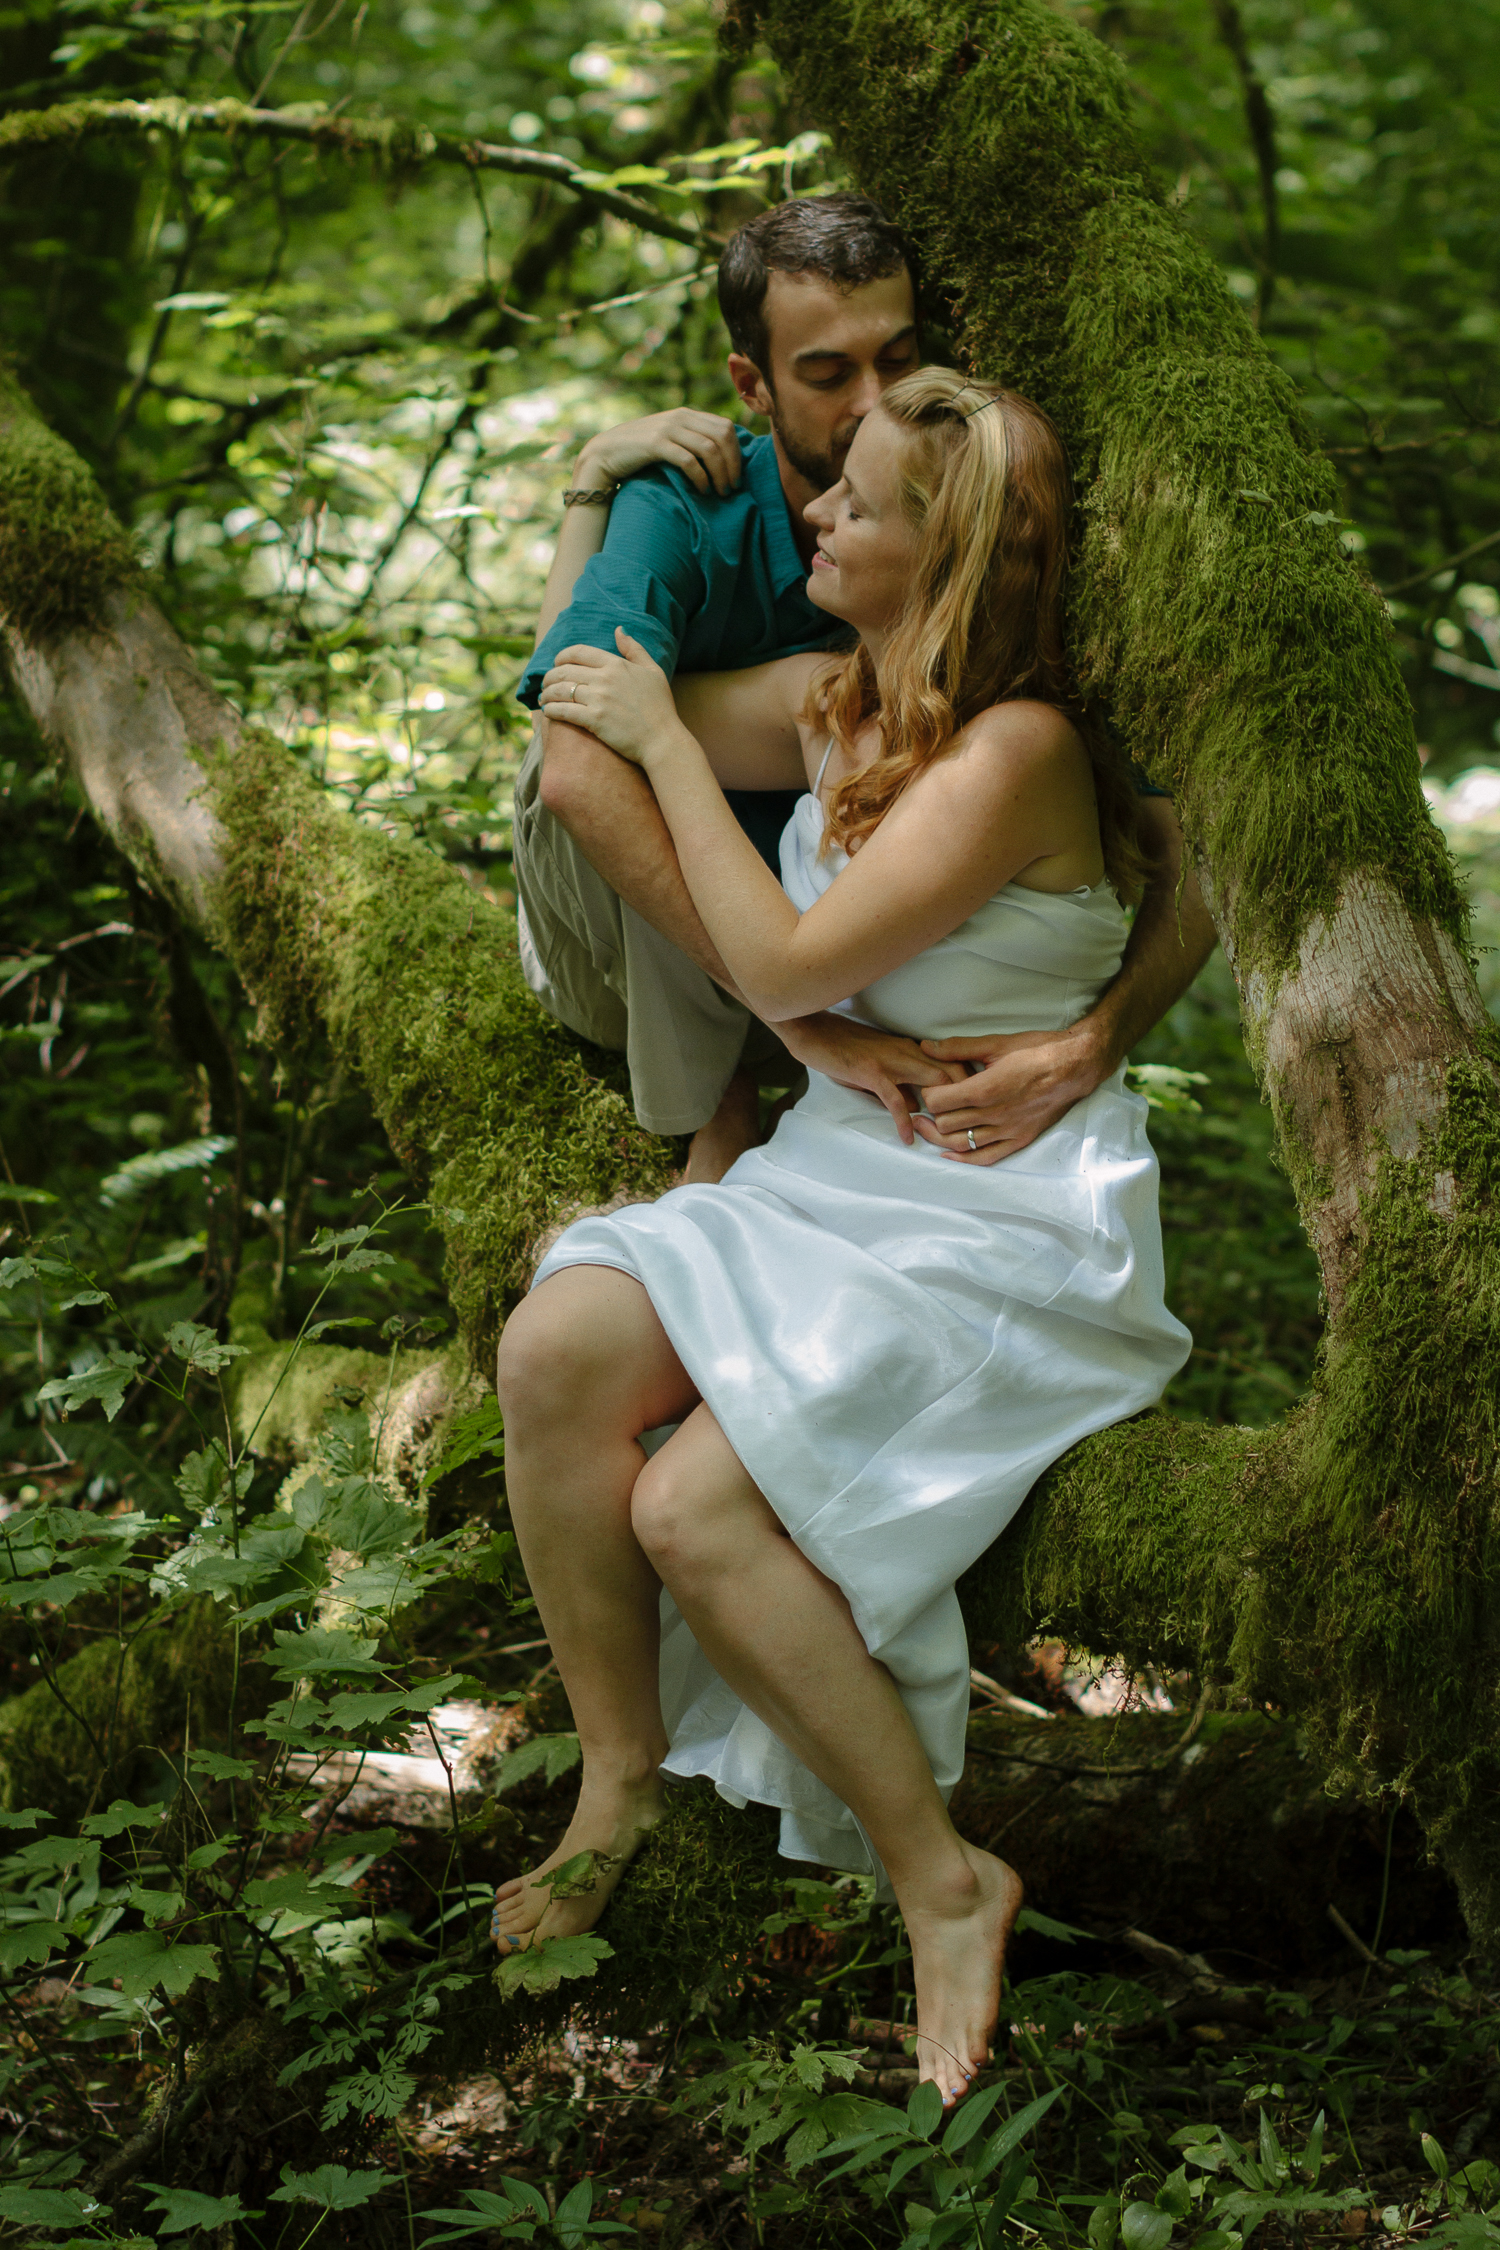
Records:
x=895, y=1345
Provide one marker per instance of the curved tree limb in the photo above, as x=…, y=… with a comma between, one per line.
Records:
x=389, y=140
x=1347, y=1562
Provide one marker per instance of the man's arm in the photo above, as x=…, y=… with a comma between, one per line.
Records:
x=1032, y=1078
x=610, y=808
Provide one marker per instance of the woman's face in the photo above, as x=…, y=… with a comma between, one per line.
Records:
x=862, y=568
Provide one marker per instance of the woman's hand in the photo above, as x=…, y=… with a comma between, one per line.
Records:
x=625, y=700
x=703, y=446
x=1022, y=1082
x=881, y=1063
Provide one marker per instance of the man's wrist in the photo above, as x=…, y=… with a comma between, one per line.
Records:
x=592, y=471
x=1100, y=1042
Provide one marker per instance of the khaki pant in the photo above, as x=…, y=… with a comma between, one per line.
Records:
x=608, y=975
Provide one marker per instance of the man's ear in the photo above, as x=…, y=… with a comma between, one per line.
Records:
x=752, y=386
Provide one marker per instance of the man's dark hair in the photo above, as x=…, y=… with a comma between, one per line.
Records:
x=845, y=239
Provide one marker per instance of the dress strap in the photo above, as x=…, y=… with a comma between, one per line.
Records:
x=823, y=768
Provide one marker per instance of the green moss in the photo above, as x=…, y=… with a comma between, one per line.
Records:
x=1244, y=659
x=62, y=554
x=505, y=1115
x=50, y=1756
x=1135, y=1542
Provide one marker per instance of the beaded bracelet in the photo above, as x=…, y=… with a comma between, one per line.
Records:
x=600, y=498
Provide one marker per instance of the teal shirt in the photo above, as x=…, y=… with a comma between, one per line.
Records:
x=706, y=584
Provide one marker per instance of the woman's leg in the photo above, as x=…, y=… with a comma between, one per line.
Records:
x=783, y=1637
x=584, y=1368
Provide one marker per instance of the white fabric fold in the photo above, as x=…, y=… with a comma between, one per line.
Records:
x=897, y=1346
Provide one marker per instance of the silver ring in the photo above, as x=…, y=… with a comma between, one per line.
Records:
x=972, y=1142
x=572, y=692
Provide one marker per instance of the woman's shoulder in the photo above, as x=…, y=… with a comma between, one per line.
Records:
x=1023, y=731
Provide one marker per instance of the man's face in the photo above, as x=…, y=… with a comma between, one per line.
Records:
x=833, y=351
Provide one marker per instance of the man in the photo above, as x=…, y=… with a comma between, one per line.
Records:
x=820, y=303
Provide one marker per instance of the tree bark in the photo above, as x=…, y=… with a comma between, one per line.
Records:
x=1344, y=1563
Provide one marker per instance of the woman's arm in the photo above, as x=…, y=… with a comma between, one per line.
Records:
x=703, y=446
x=1018, y=790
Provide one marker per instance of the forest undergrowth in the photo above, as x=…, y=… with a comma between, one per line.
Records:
x=273, y=1729
x=274, y=1719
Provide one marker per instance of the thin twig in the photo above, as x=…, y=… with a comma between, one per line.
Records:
x=1450, y=562
x=399, y=144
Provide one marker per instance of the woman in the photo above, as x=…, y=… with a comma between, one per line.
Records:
x=868, y=1343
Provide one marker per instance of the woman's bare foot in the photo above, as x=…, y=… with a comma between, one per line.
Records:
x=958, y=1942
x=611, y=1821
x=733, y=1128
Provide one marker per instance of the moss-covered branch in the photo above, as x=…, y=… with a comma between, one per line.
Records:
x=393, y=142
x=1347, y=1563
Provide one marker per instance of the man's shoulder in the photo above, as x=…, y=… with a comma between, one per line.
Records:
x=662, y=487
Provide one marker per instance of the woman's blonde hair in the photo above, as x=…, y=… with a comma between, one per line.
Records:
x=984, y=482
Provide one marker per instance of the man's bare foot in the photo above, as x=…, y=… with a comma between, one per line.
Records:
x=611, y=1822
x=958, y=1946
x=733, y=1128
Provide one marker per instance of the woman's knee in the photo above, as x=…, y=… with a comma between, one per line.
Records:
x=543, y=1360
x=662, y=1516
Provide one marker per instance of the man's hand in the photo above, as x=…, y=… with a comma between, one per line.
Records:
x=1026, y=1082
x=871, y=1062
x=703, y=446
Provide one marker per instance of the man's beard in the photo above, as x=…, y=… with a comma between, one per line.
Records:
x=821, y=469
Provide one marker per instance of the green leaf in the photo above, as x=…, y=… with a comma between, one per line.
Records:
x=971, y=2116
x=556, y=1753
x=1044, y=1926
x=29, y=1941
x=331, y=2187
x=1104, y=2224
x=470, y=1436
x=924, y=2110
x=1174, y=2196
x=295, y=1893
x=142, y=1172
x=185, y=2207
x=155, y=1905
x=145, y=1961
x=203, y=1479
x=51, y=2207
x=209, y=1855
x=1143, y=2227
x=175, y=1254
x=200, y=1347
x=324, y=1650
x=366, y=1523
x=1015, y=2129
x=218, y=1767
x=1273, y=2162
x=542, y=1968
x=356, y=1710
x=490, y=2212
x=107, y=1381
x=26, y=1817
x=120, y=1816
x=14, y=1192
x=1433, y=2151
x=327, y=1240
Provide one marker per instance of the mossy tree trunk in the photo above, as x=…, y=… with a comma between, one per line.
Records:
x=1345, y=1562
